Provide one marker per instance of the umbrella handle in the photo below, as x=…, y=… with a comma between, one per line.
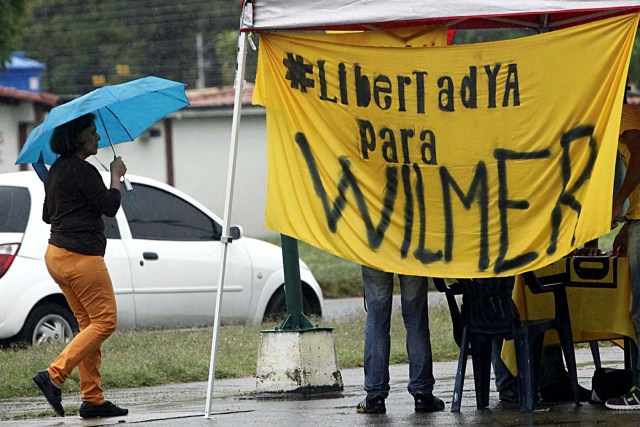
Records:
x=127, y=184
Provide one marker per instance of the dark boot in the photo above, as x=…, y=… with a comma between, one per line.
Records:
x=373, y=404
x=52, y=393
x=108, y=409
x=427, y=403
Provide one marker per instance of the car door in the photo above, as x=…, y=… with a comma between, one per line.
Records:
x=117, y=260
x=175, y=253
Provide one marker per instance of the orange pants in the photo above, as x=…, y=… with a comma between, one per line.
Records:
x=86, y=284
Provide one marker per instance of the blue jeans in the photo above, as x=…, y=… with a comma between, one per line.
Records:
x=504, y=377
x=378, y=294
x=633, y=252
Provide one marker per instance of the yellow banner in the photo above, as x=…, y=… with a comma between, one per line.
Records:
x=457, y=161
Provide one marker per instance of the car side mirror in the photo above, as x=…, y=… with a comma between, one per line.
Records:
x=235, y=232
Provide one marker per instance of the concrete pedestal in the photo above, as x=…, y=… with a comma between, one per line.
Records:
x=300, y=362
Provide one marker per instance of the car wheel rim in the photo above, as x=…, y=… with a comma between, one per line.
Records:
x=52, y=328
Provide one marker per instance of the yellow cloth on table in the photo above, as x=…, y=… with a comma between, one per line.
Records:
x=599, y=309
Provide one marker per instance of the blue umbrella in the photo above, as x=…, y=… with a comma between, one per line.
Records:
x=123, y=112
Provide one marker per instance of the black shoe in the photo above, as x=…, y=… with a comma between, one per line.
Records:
x=52, y=393
x=373, y=404
x=561, y=392
x=108, y=409
x=427, y=403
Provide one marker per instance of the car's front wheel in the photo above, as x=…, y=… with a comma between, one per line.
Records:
x=48, y=322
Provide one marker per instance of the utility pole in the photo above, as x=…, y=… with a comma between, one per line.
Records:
x=200, y=49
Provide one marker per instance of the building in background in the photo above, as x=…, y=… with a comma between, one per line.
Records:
x=22, y=73
x=22, y=106
x=190, y=151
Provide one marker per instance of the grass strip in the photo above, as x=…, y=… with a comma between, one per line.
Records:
x=145, y=358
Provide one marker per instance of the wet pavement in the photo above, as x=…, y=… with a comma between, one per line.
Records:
x=235, y=404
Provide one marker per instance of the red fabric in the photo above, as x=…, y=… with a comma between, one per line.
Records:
x=450, y=35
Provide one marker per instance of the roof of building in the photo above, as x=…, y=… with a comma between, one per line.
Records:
x=218, y=96
x=23, y=95
x=20, y=62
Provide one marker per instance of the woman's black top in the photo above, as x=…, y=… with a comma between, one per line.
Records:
x=75, y=200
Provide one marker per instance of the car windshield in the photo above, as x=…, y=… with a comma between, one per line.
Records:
x=15, y=204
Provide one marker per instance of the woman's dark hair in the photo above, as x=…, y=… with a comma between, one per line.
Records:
x=65, y=137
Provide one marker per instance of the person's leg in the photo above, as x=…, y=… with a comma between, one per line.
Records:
x=506, y=382
x=378, y=295
x=554, y=384
x=87, y=286
x=89, y=367
x=552, y=370
x=413, y=295
x=633, y=253
x=631, y=400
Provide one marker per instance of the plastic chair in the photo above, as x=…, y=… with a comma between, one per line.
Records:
x=488, y=313
x=529, y=340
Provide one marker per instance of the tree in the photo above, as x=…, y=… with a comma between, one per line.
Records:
x=86, y=43
x=226, y=47
x=489, y=35
x=12, y=13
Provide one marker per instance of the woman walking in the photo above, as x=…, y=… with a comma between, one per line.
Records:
x=75, y=200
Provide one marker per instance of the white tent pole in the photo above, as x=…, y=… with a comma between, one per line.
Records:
x=226, y=240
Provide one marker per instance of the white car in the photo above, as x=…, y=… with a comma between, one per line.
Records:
x=163, y=254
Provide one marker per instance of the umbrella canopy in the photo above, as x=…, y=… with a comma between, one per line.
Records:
x=264, y=15
x=123, y=112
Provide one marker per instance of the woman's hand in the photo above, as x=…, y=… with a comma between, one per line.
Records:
x=118, y=169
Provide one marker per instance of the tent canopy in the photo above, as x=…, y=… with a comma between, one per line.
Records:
x=265, y=15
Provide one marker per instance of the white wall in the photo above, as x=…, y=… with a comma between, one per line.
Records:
x=144, y=156
x=201, y=156
x=10, y=117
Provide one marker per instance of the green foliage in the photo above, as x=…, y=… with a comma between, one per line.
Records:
x=634, y=65
x=226, y=49
x=123, y=40
x=12, y=13
x=80, y=39
x=489, y=35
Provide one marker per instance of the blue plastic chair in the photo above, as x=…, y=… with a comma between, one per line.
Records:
x=488, y=313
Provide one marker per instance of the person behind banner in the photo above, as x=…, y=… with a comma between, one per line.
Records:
x=378, y=296
x=628, y=239
x=553, y=385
